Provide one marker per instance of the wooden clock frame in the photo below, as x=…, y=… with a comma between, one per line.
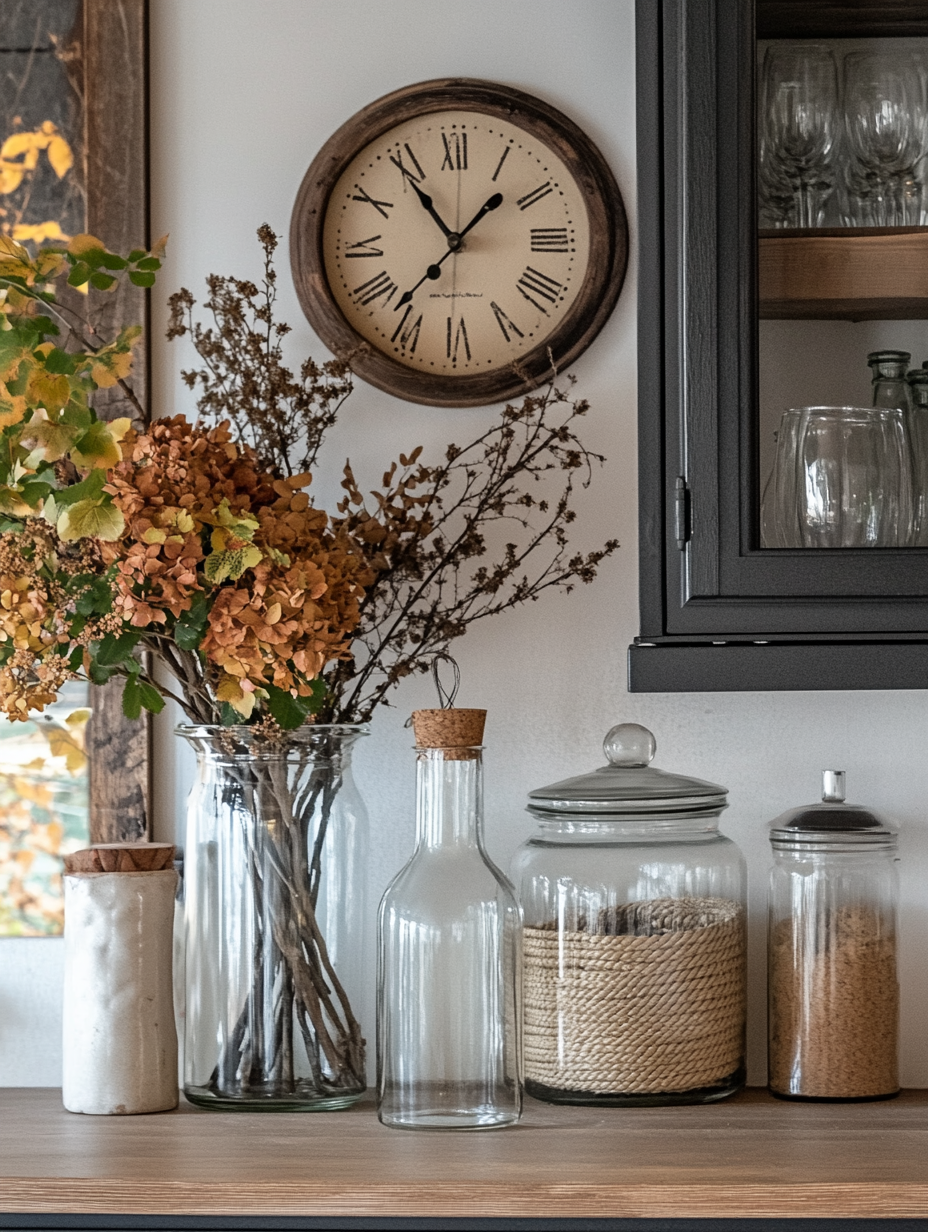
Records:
x=595, y=300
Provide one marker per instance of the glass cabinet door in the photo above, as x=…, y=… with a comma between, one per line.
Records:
x=842, y=205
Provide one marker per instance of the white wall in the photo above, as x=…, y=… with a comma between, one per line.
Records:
x=243, y=94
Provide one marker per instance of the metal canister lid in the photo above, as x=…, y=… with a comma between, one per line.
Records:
x=833, y=822
x=628, y=784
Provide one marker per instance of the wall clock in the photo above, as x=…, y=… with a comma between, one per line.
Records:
x=467, y=233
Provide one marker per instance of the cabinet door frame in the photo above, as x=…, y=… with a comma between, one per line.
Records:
x=718, y=612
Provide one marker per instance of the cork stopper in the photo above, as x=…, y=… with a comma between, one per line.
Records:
x=448, y=729
x=121, y=858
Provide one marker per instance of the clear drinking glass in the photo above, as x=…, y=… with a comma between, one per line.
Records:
x=841, y=479
x=853, y=482
x=799, y=134
x=448, y=1034
x=885, y=120
x=832, y=984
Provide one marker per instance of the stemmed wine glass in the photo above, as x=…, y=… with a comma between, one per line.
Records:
x=799, y=134
x=886, y=122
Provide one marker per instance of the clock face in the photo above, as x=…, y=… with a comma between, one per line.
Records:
x=456, y=243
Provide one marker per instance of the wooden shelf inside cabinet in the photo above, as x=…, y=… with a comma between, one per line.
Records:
x=850, y=274
x=747, y=1157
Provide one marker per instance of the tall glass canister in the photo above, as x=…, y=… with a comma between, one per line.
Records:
x=634, y=936
x=448, y=983
x=833, y=1017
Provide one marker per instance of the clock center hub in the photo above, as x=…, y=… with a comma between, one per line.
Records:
x=454, y=241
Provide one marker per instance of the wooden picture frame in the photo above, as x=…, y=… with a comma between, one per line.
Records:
x=595, y=300
x=113, y=68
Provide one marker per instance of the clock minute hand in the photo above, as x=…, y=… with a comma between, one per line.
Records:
x=426, y=202
x=433, y=272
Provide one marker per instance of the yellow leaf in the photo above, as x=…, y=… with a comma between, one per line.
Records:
x=90, y=519
x=158, y=249
x=26, y=145
x=85, y=243
x=231, y=691
x=11, y=176
x=49, y=389
x=10, y=249
x=115, y=366
x=154, y=535
x=98, y=448
x=54, y=439
x=60, y=156
x=62, y=744
x=78, y=718
x=119, y=427
x=38, y=232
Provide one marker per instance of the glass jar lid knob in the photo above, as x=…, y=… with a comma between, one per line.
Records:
x=629, y=744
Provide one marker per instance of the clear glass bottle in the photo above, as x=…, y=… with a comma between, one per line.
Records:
x=634, y=936
x=889, y=383
x=448, y=1054
x=833, y=1016
x=917, y=380
x=275, y=887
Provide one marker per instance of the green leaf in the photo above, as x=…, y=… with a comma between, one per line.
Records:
x=97, y=600
x=102, y=282
x=60, y=362
x=132, y=698
x=79, y=274
x=32, y=491
x=7, y=525
x=114, y=651
x=76, y=659
x=289, y=711
x=91, y=519
x=110, y=260
x=139, y=279
x=150, y=697
x=88, y=489
x=318, y=695
x=136, y=255
x=149, y=263
x=100, y=675
x=190, y=626
x=228, y=716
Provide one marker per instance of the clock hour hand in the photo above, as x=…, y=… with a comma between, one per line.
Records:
x=426, y=202
x=493, y=204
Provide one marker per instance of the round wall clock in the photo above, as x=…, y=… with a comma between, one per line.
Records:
x=471, y=236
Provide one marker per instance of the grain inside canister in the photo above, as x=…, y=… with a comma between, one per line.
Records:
x=834, y=1007
x=652, y=1002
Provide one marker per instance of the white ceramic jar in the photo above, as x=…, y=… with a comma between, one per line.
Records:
x=119, y=1038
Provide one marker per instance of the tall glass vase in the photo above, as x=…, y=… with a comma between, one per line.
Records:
x=275, y=869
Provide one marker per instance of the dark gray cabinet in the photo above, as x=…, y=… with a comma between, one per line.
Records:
x=718, y=612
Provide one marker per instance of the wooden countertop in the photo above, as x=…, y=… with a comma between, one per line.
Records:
x=750, y=1156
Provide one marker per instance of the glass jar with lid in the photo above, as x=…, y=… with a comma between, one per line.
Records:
x=634, y=936
x=833, y=1015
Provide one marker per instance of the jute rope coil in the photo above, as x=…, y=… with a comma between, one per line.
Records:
x=614, y=1011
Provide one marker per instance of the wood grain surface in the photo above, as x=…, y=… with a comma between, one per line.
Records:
x=750, y=1156
x=878, y=276
x=114, y=60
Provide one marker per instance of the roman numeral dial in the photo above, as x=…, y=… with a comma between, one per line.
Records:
x=456, y=244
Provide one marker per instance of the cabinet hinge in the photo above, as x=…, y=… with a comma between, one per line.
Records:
x=681, y=513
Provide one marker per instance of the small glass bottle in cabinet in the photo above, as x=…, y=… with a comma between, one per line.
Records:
x=634, y=936
x=833, y=1016
x=448, y=981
